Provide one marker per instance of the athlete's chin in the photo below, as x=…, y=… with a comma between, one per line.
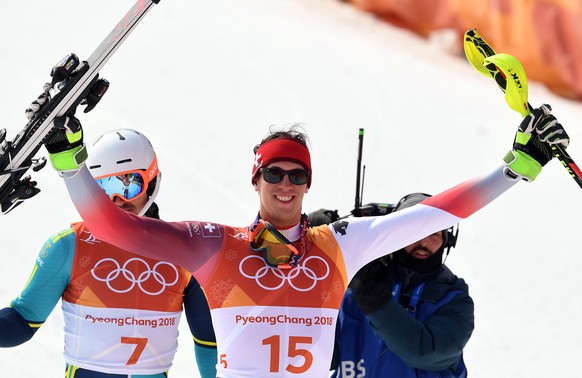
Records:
x=129, y=209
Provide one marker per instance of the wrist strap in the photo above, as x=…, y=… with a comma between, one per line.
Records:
x=70, y=160
x=413, y=303
x=522, y=164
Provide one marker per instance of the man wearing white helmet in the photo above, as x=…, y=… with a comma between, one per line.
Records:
x=121, y=310
x=124, y=162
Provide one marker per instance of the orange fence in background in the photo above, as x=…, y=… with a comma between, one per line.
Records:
x=545, y=35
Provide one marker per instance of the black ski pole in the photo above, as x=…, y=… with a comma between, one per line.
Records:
x=358, y=203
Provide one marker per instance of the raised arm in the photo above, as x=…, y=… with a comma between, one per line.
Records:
x=153, y=238
x=364, y=239
x=169, y=241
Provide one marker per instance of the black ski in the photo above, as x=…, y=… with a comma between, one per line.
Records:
x=77, y=82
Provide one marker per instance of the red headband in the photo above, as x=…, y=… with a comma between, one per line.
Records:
x=281, y=149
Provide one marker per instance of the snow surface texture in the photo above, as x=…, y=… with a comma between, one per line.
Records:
x=204, y=80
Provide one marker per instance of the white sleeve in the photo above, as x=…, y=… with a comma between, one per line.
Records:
x=364, y=239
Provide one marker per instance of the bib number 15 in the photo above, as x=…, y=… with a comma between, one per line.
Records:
x=293, y=351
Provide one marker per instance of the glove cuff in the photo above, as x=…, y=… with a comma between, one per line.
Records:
x=69, y=160
x=521, y=166
x=75, y=137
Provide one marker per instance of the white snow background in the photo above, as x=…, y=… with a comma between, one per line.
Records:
x=204, y=80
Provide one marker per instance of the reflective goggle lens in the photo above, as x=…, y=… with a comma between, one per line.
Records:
x=127, y=186
x=276, y=248
x=275, y=175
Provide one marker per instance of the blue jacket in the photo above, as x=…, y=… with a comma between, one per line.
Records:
x=426, y=340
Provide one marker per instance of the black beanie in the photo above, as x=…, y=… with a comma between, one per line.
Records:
x=411, y=200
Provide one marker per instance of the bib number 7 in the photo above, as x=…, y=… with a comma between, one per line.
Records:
x=140, y=344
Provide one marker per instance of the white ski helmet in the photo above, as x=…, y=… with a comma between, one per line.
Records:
x=125, y=150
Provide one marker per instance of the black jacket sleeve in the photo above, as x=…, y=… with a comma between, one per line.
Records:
x=14, y=330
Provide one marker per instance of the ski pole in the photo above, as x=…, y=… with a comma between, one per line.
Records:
x=510, y=76
x=359, y=168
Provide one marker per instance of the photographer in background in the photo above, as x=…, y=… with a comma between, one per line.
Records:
x=405, y=314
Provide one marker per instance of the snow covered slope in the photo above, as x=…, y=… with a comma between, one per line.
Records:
x=204, y=80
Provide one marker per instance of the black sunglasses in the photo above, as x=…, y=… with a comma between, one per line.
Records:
x=275, y=175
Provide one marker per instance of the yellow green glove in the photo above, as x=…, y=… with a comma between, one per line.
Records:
x=532, y=144
x=67, y=152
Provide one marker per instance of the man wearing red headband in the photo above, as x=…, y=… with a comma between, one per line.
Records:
x=274, y=289
x=275, y=157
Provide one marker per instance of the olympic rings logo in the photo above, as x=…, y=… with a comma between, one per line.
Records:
x=132, y=279
x=280, y=274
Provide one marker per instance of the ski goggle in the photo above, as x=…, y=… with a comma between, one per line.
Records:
x=275, y=175
x=277, y=250
x=127, y=186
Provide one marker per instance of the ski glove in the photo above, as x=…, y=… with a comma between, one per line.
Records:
x=532, y=146
x=67, y=152
x=370, y=287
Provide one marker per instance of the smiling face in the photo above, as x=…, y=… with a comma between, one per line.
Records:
x=281, y=203
x=426, y=247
